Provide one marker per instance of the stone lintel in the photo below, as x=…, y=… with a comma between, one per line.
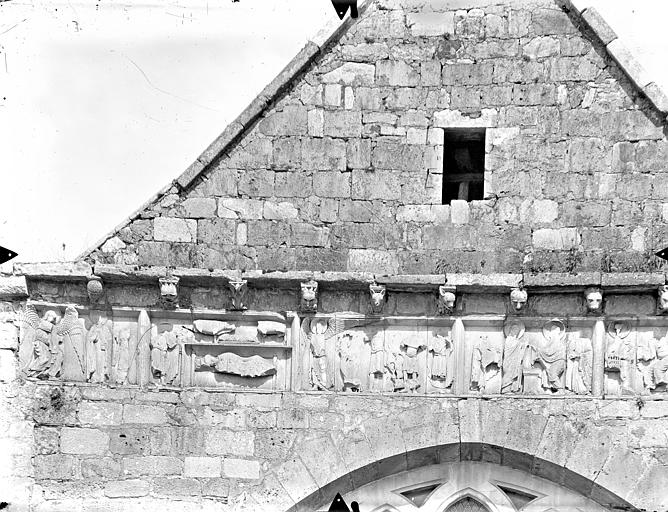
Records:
x=409, y=283
x=559, y=280
x=600, y=27
x=632, y=281
x=70, y=270
x=13, y=287
x=483, y=282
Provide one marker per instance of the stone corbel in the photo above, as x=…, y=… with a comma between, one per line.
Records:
x=446, y=299
x=169, y=291
x=309, y=297
x=377, y=297
x=94, y=288
x=518, y=299
x=594, y=300
x=238, y=289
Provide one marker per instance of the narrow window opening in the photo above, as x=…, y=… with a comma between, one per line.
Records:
x=463, y=164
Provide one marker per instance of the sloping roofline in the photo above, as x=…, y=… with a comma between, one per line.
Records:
x=331, y=32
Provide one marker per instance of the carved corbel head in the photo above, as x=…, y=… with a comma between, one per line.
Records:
x=169, y=290
x=94, y=288
x=309, y=297
x=518, y=298
x=594, y=300
x=662, y=303
x=377, y=292
x=238, y=289
x=446, y=300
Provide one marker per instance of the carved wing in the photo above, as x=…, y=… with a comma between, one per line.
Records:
x=339, y=324
x=30, y=318
x=69, y=322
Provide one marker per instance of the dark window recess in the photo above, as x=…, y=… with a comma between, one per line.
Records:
x=463, y=164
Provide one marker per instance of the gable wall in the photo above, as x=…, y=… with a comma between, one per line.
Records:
x=345, y=171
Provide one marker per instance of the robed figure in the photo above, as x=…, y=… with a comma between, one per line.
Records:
x=514, y=351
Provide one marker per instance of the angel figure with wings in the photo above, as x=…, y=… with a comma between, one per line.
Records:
x=40, y=334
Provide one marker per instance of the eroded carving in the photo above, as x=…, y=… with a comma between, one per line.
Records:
x=442, y=363
x=377, y=367
x=660, y=364
x=518, y=299
x=315, y=331
x=377, y=298
x=165, y=355
x=546, y=360
x=99, y=341
x=619, y=355
x=446, y=300
x=169, y=291
x=594, y=300
x=94, y=288
x=38, y=334
x=121, y=357
x=350, y=345
x=234, y=364
x=238, y=289
x=411, y=346
x=579, y=365
x=662, y=302
x=487, y=364
x=515, y=349
x=309, y=297
x=70, y=330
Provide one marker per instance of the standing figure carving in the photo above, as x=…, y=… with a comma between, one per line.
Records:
x=395, y=370
x=71, y=330
x=412, y=347
x=515, y=349
x=579, y=365
x=121, y=357
x=377, y=364
x=660, y=365
x=39, y=333
x=487, y=364
x=316, y=332
x=98, y=348
x=159, y=347
x=442, y=363
x=350, y=345
x=549, y=355
x=619, y=356
x=645, y=360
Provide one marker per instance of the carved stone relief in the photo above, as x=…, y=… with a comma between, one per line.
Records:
x=99, y=340
x=659, y=367
x=377, y=298
x=169, y=291
x=309, y=297
x=94, y=288
x=350, y=345
x=594, y=300
x=545, y=361
x=238, y=289
x=662, y=302
x=515, y=349
x=487, y=363
x=579, y=365
x=619, y=358
x=442, y=369
x=446, y=300
x=518, y=299
x=231, y=363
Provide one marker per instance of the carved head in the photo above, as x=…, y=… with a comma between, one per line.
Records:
x=518, y=298
x=309, y=290
x=168, y=287
x=663, y=299
x=377, y=292
x=446, y=299
x=51, y=317
x=237, y=285
x=594, y=299
x=94, y=288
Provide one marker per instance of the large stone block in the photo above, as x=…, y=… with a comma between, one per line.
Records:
x=144, y=414
x=234, y=208
x=100, y=413
x=291, y=121
x=57, y=467
x=199, y=207
x=132, y=488
x=84, y=441
x=332, y=183
x=351, y=73
x=202, y=467
x=241, y=469
x=152, y=465
x=279, y=211
x=343, y=124
x=370, y=260
x=324, y=154
x=556, y=239
x=168, y=229
x=431, y=24
x=228, y=442
x=175, y=486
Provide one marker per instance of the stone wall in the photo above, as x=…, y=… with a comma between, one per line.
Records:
x=99, y=448
x=344, y=170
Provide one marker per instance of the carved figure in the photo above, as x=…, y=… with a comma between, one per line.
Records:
x=271, y=328
x=550, y=355
x=37, y=334
x=159, y=347
x=215, y=328
x=442, y=363
x=515, y=349
x=645, y=358
x=98, y=348
x=71, y=330
x=94, y=288
x=518, y=298
x=238, y=289
x=619, y=355
x=412, y=347
x=660, y=365
x=169, y=291
x=446, y=300
x=487, y=364
x=121, y=357
x=318, y=327
x=594, y=300
x=349, y=346
x=309, y=297
x=579, y=365
x=395, y=370
x=229, y=362
x=173, y=355
x=662, y=304
x=377, y=292
x=377, y=363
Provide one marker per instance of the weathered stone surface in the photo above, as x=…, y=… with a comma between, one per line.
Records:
x=144, y=414
x=132, y=488
x=96, y=414
x=84, y=441
x=167, y=229
x=152, y=465
x=241, y=469
x=207, y=467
